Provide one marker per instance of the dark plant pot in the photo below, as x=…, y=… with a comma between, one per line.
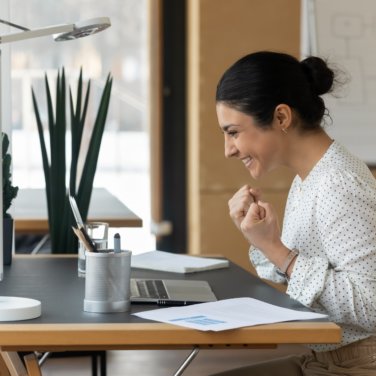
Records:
x=7, y=240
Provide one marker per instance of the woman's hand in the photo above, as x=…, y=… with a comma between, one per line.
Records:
x=261, y=228
x=241, y=201
x=259, y=224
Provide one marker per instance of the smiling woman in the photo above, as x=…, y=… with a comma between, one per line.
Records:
x=265, y=106
x=258, y=148
x=270, y=109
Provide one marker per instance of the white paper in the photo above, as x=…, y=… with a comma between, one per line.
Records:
x=172, y=262
x=226, y=314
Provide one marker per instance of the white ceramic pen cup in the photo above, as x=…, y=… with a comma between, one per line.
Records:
x=98, y=231
x=107, y=282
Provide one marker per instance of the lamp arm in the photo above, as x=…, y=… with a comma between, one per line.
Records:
x=36, y=33
x=14, y=25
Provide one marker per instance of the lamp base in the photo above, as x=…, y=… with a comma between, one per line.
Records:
x=16, y=309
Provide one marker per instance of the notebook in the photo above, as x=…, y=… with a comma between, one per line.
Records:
x=177, y=263
x=170, y=292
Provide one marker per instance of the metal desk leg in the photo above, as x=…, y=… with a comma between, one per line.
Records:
x=40, y=244
x=42, y=357
x=187, y=361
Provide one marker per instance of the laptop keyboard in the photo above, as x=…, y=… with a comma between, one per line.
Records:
x=151, y=288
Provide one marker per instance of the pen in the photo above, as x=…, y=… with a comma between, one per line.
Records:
x=117, y=247
x=85, y=239
x=88, y=239
x=171, y=303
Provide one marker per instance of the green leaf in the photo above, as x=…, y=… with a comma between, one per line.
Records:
x=88, y=173
x=77, y=127
x=46, y=164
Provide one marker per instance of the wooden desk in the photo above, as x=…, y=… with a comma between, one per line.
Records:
x=65, y=326
x=30, y=211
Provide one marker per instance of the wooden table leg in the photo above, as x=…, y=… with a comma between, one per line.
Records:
x=13, y=363
x=3, y=367
x=32, y=365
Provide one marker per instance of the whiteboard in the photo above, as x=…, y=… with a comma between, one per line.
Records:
x=344, y=33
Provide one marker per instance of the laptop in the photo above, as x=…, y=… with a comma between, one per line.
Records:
x=170, y=292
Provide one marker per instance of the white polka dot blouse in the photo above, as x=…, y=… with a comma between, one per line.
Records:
x=330, y=218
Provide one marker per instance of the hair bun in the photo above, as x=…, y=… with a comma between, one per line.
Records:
x=319, y=75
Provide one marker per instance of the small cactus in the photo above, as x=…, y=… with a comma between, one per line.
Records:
x=9, y=191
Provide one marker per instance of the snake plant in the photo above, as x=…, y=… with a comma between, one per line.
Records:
x=60, y=217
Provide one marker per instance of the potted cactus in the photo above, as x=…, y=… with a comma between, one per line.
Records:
x=9, y=193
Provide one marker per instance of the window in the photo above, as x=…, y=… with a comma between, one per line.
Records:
x=122, y=50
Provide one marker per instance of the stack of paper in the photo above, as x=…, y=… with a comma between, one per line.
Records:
x=172, y=262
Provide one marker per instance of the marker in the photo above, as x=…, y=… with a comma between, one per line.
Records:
x=117, y=247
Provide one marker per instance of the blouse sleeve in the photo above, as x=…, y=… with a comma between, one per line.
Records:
x=265, y=269
x=342, y=281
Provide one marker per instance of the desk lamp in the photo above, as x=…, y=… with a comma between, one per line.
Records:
x=16, y=308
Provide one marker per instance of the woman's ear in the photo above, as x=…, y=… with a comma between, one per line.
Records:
x=283, y=117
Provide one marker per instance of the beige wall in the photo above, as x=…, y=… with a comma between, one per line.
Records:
x=220, y=32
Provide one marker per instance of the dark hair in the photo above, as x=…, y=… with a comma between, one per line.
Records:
x=260, y=81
